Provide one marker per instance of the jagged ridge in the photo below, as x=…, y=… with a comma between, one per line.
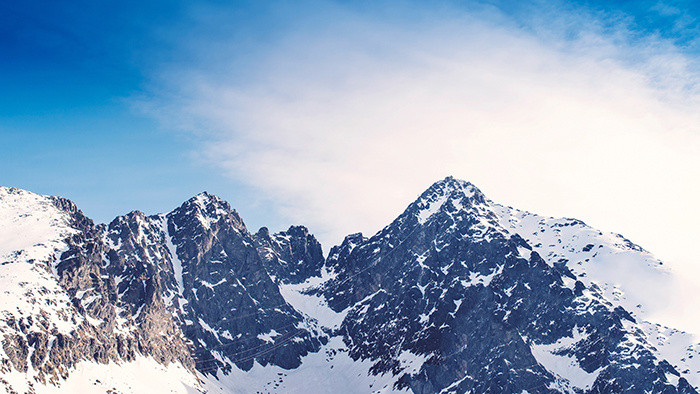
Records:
x=457, y=294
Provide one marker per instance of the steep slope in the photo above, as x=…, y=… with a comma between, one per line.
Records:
x=234, y=309
x=187, y=287
x=197, y=270
x=447, y=284
x=457, y=294
x=33, y=231
x=293, y=256
x=60, y=308
x=625, y=273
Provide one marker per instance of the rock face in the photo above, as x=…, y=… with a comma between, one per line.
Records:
x=230, y=307
x=292, y=256
x=458, y=294
x=485, y=312
x=188, y=287
x=64, y=303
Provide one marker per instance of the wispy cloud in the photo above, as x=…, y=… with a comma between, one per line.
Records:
x=344, y=114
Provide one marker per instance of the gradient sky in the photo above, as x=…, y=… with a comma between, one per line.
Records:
x=337, y=114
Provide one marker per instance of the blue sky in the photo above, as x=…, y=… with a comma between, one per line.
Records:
x=66, y=124
x=308, y=112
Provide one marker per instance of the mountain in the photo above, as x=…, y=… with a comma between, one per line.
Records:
x=293, y=256
x=457, y=294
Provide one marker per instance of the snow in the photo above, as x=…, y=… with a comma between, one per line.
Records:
x=566, y=367
x=421, y=258
x=32, y=233
x=212, y=285
x=314, y=306
x=204, y=203
x=679, y=348
x=454, y=191
x=431, y=208
x=524, y=252
x=453, y=387
x=410, y=362
x=143, y=375
x=269, y=336
x=651, y=294
x=177, y=264
x=331, y=370
x=568, y=282
x=476, y=278
x=32, y=223
x=595, y=257
x=208, y=328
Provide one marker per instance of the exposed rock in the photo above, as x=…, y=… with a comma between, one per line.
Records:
x=455, y=295
x=292, y=256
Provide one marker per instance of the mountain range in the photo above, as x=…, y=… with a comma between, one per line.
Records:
x=458, y=294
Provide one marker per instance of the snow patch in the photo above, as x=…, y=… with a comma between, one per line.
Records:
x=269, y=336
x=476, y=278
x=313, y=306
x=431, y=208
x=143, y=375
x=172, y=250
x=410, y=362
x=553, y=358
x=331, y=370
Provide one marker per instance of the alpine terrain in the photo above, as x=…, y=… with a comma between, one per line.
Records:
x=458, y=294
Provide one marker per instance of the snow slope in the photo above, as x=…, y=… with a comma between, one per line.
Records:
x=626, y=274
x=331, y=370
x=143, y=375
x=32, y=231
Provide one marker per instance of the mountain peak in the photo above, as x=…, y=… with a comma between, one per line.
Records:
x=206, y=201
x=456, y=191
x=453, y=187
x=208, y=209
x=205, y=197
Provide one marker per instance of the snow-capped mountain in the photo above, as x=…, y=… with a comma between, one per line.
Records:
x=483, y=309
x=458, y=294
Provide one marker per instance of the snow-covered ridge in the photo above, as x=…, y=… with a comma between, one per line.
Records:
x=605, y=259
x=622, y=273
x=32, y=234
x=32, y=223
x=450, y=217
x=449, y=189
x=626, y=274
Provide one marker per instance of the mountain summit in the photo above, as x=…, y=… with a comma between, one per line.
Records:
x=457, y=294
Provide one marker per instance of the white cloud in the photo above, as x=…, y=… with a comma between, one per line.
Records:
x=345, y=116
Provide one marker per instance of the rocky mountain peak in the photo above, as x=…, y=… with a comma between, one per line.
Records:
x=208, y=210
x=292, y=256
x=454, y=188
x=298, y=231
x=458, y=294
x=449, y=195
x=206, y=202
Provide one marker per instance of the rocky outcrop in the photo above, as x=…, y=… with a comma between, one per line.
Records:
x=291, y=256
x=234, y=310
x=107, y=321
